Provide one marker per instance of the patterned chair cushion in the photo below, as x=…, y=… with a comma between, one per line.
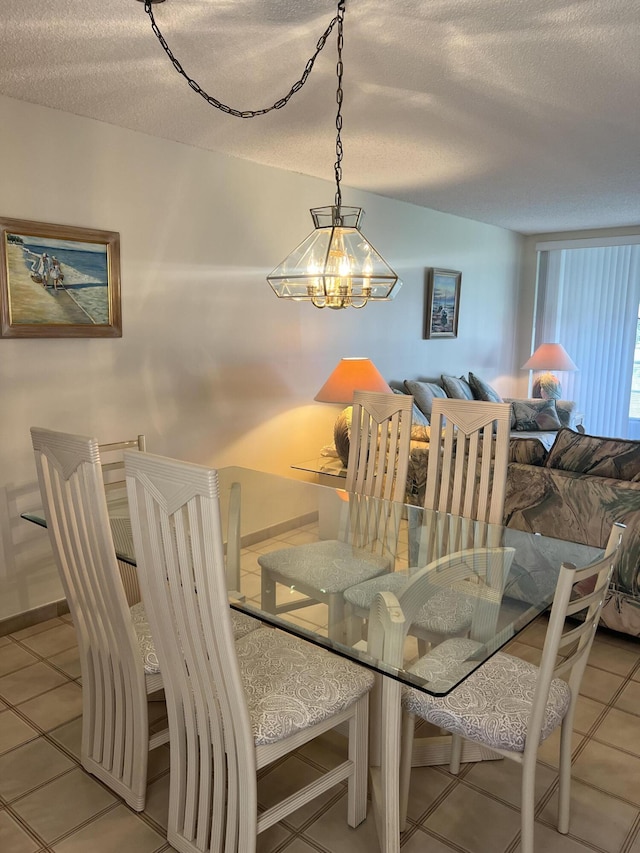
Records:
x=617, y=458
x=290, y=684
x=448, y=611
x=329, y=565
x=242, y=625
x=492, y=705
x=482, y=390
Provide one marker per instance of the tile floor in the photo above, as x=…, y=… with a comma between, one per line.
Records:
x=48, y=804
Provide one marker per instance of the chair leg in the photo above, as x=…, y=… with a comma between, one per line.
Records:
x=267, y=592
x=564, y=791
x=456, y=754
x=358, y=755
x=406, y=756
x=527, y=804
x=337, y=629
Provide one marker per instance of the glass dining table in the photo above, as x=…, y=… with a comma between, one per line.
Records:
x=264, y=513
x=280, y=512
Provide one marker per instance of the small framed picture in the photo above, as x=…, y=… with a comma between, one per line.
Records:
x=441, y=303
x=58, y=281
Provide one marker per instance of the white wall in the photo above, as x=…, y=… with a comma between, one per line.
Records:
x=212, y=366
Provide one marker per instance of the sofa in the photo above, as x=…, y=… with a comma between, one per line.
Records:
x=585, y=484
x=534, y=422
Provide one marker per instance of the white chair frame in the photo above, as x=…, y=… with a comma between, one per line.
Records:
x=176, y=524
x=378, y=464
x=115, y=688
x=565, y=653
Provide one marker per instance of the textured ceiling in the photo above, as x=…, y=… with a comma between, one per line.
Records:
x=520, y=113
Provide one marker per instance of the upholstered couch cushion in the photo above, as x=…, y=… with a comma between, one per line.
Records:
x=617, y=458
x=532, y=415
x=423, y=394
x=457, y=387
x=483, y=391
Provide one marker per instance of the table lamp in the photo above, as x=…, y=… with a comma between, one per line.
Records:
x=349, y=375
x=548, y=357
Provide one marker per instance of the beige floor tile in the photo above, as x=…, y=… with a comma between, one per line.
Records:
x=547, y=840
x=272, y=838
x=609, y=770
x=326, y=751
x=115, y=832
x=14, y=731
x=299, y=846
x=426, y=785
x=612, y=658
x=159, y=761
x=250, y=585
x=595, y=817
x=502, y=778
x=30, y=765
x=289, y=776
x=62, y=805
x=332, y=831
x=5, y=641
x=532, y=654
x=28, y=682
x=549, y=750
x=599, y=685
x=629, y=699
x=635, y=847
x=534, y=634
x=621, y=730
x=422, y=842
x=69, y=736
x=13, y=838
x=53, y=641
x=68, y=661
x=474, y=822
x=13, y=657
x=38, y=628
x=157, y=802
x=300, y=537
x=587, y=712
x=54, y=708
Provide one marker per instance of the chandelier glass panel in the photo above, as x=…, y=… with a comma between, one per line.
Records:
x=335, y=266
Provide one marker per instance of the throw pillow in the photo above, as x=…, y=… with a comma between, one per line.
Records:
x=418, y=418
x=423, y=394
x=457, y=388
x=483, y=391
x=535, y=415
x=617, y=458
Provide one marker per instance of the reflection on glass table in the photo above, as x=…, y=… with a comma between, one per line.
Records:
x=278, y=512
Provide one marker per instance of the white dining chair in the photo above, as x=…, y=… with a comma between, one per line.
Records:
x=466, y=481
x=234, y=708
x=378, y=462
x=509, y=705
x=118, y=673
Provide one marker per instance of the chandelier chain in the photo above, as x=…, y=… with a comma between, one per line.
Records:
x=339, y=97
x=214, y=102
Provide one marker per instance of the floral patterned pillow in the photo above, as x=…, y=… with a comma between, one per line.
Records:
x=534, y=416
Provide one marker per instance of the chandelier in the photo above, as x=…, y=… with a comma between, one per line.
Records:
x=335, y=266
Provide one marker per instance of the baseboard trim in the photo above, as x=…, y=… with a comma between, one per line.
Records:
x=32, y=617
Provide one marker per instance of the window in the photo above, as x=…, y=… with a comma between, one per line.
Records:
x=634, y=404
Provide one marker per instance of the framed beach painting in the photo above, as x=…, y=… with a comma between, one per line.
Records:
x=58, y=281
x=441, y=303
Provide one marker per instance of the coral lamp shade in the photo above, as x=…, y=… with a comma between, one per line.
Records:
x=351, y=374
x=550, y=357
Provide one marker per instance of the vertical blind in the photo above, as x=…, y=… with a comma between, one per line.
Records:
x=588, y=301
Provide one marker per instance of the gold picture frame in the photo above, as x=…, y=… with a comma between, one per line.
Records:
x=441, y=303
x=58, y=281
